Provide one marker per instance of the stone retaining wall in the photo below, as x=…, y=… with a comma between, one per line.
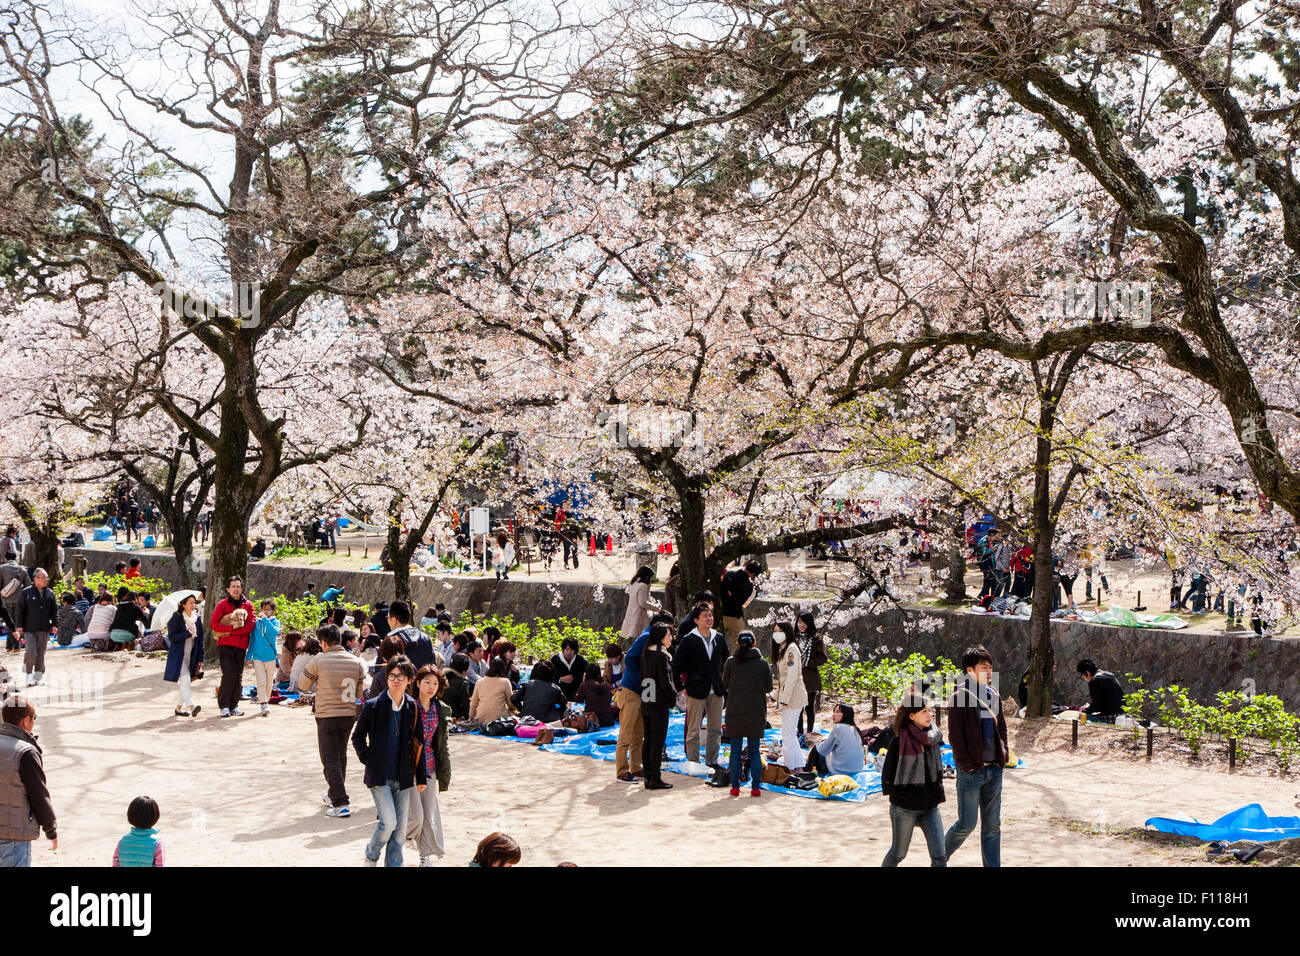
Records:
x=1204, y=663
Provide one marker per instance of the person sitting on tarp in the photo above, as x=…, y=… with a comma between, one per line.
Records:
x=1105, y=691
x=540, y=696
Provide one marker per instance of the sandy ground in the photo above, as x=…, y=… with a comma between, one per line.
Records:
x=247, y=791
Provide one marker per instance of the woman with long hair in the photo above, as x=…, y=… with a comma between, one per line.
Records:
x=841, y=750
x=912, y=778
x=423, y=822
x=658, y=695
x=812, y=652
x=640, y=605
x=792, y=696
x=184, y=654
x=503, y=556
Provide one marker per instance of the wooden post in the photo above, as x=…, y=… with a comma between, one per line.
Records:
x=873, y=706
x=1150, y=741
x=1232, y=754
x=1074, y=734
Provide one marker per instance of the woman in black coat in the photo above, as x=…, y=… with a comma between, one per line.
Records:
x=748, y=681
x=184, y=654
x=813, y=650
x=658, y=695
x=912, y=778
x=540, y=697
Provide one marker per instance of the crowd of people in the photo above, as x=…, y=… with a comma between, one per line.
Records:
x=392, y=687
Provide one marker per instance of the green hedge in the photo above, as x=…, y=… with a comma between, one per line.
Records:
x=885, y=677
x=1261, y=717
x=541, y=638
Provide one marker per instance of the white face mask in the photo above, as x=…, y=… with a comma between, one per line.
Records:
x=778, y=637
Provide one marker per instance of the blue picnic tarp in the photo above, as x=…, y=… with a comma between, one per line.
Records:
x=589, y=745
x=1245, y=823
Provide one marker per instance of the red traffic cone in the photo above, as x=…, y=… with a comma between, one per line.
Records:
x=591, y=545
x=661, y=547
x=609, y=544
x=668, y=547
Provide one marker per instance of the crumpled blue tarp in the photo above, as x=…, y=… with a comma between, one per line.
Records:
x=587, y=745
x=1246, y=823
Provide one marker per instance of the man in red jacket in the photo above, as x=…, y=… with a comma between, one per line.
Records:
x=233, y=620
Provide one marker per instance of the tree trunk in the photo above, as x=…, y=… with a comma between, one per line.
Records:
x=1042, y=660
x=691, y=573
x=183, y=546
x=954, y=589
x=45, y=531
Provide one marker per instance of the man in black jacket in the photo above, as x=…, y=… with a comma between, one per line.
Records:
x=977, y=731
x=36, y=618
x=1105, y=692
x=387, y=741
x=737, y=591
x=698, y=665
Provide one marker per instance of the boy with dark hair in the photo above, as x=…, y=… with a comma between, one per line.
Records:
x=419, y=649
x=385, y=739
x=977, y=731
x=1106, y=694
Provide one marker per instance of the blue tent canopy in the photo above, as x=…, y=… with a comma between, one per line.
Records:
x=574, y=497
x=1247, y=823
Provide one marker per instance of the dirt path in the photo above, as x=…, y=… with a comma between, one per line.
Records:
x=247, y=790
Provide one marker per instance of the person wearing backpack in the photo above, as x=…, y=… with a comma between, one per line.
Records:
x=13, y=578
x=978, y=732
x=747, y=680
x=912, y=778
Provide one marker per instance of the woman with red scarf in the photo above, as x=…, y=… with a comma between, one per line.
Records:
x=912, y=778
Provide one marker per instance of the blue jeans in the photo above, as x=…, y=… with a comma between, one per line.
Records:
x=755, y=764
x=979, y=794
x=903, y=822
x=394, y=806
x=15, y=853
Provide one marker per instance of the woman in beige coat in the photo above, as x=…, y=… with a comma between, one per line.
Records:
x=640, y=605
x=791, y=694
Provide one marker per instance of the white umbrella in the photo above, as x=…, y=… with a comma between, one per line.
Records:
x=167, y=607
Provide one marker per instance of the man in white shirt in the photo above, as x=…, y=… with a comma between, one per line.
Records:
x=698, y=663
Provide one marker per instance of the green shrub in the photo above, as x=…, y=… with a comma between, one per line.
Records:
x=541, y=639
x=884, y=677
x=151, y=586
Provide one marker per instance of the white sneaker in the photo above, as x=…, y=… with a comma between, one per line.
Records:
x=339, y=812
x=225, y=711
x=427, y=860
x=369, y=862
x=31, y=680
x=236, y=712
x=266, y=710
x=325, y=799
